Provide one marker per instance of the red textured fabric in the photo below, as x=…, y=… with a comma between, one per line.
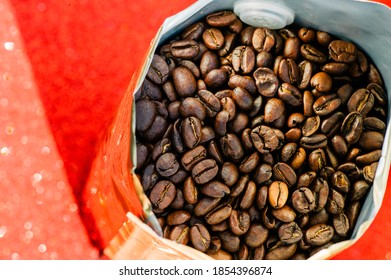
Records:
x=83, y=54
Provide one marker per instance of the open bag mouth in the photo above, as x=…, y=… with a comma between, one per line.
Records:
x=205, y=150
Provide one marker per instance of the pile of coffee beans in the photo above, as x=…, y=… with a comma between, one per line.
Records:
x=255, y=143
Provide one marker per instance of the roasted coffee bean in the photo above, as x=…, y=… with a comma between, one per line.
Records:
x=158, y=71
x=305, y=73
x=231, y=147
x=350, y=169
x=185, y=49
x=184, y=81
x=292, y=48
x=335, y=68
x=178, y=217
x=161, y=147
x=317, y=160
x=229, y=173
x=371, y=140
x=319, y=234
x=192, y=157
x=293, y=135
x=205, y=205
x=266, y=81
x=321, y=191
x=150, y=90
x=263, y=173
x=256, y=235
x=352, y=127
x=283, y=172
x=290, y=233
x=264, y=139
x=274, y=108
x=239, y=186
x=298, y=159
x=243, y=254
x=243, y=59
x=162, y=194
x=369, y=172
x=216, y=78
x=219, y=19
x=267, y=219
x=281, y=252
x=285, y=214
x=290, y=94
x=353, y=154
x=142, y=155
x=323, y=38
x=306, y=35
x=180, y=234
x=261, y=198
x=306, y=179
x=204, y=171
x=173, y=109
x=249, y=163
x=192, y=107
x=248, y=195
x=146, y=114
x=342, y=51
x=359, y=66
x=191, y=131
x=200, y=237
x=375, y=124
x=219, y=214
x=359, y=190
x=295, y=120
x=312, y=54
x=368, y=158
x=229, y=241
x=242, y=98
x=322, y=82
x=228, y=104
x=176, y=138
x=303, y=200
x=209, y=61
x=214, y=152
x=332, y=124
x=239, y=123
x=340, y=182
x=229, y=44
x=221, y=123
x=361, y=101
x=167, y=165
x=213, y=38
x=190, y=191
x=263, y=39
x=314, y=141
x=310, y=126
x=288, y=71
x=278, y=194
x=194, y=31
x=326, y=104
x=215, y=189
x=245, y=82
x=336, y=202
x=207, y=134
x=215, y=244
x=220, y=255
x=341, y=224
x=288, y=151
x=378, y=92
x=239, y=222
x=149, y=177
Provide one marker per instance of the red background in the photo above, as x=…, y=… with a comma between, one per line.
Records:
x=83, y=54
